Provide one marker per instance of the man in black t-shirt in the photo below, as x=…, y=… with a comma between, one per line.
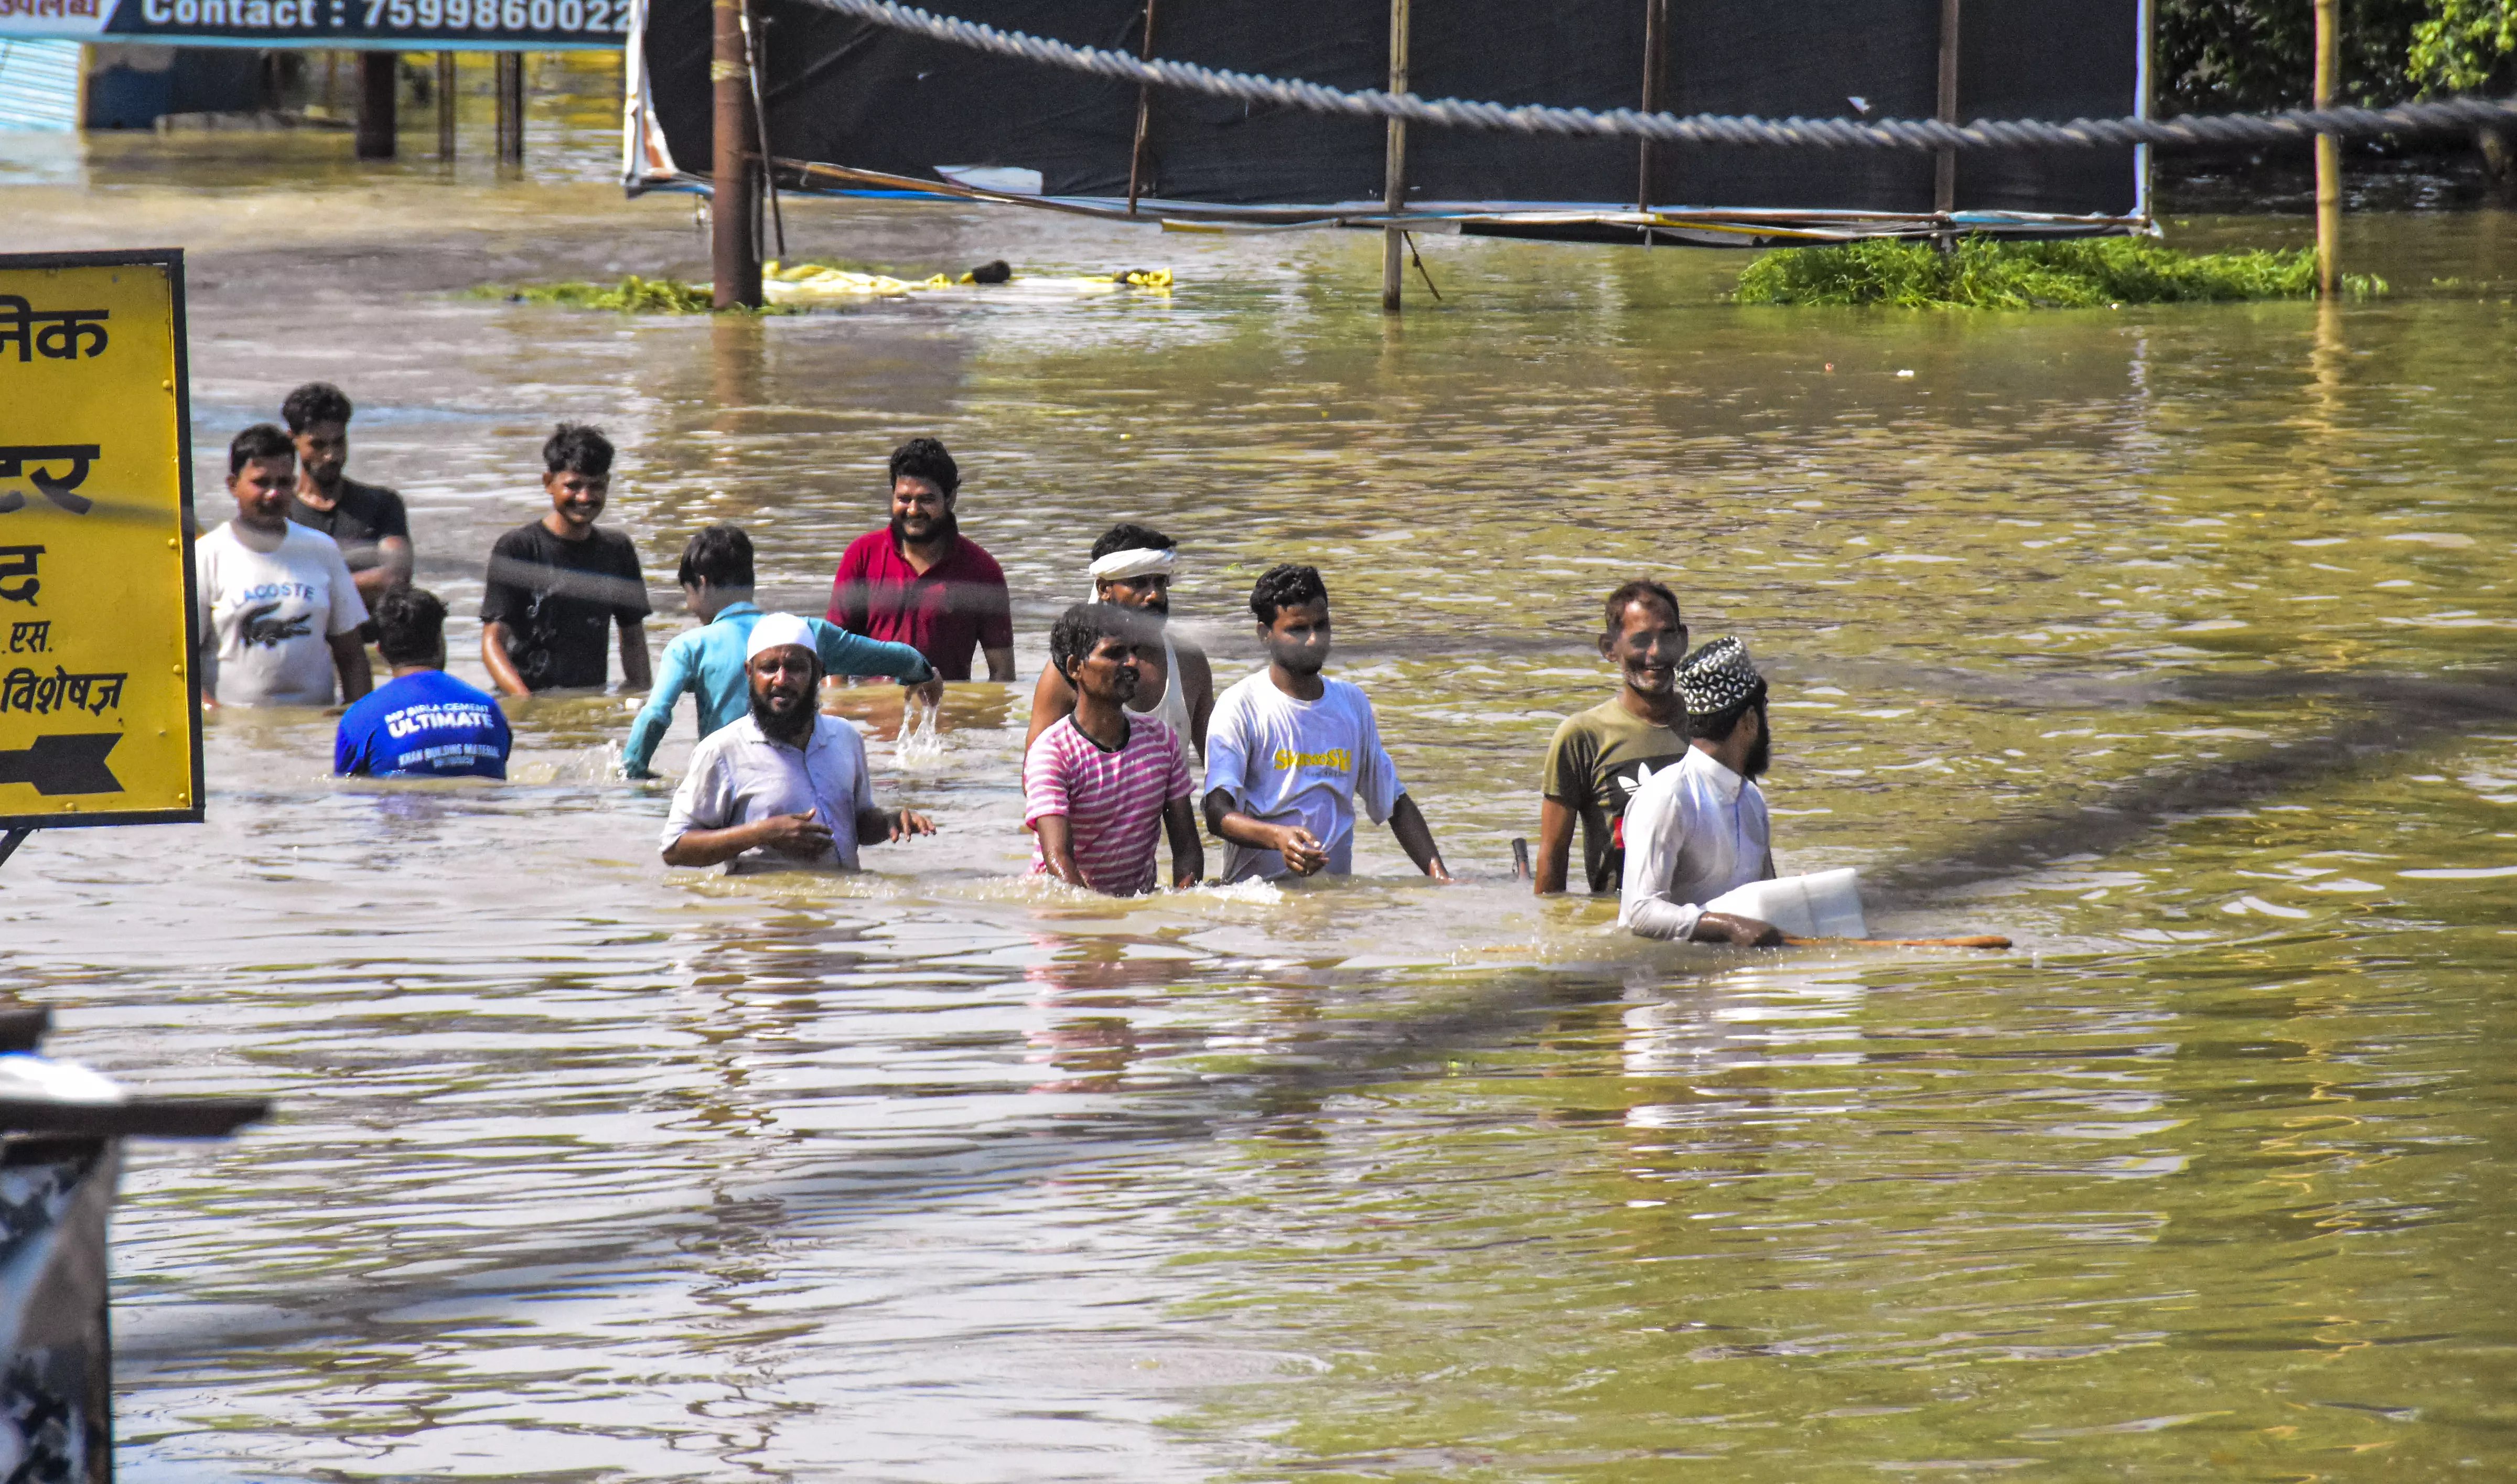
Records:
x=365, y=521
x=558, y=584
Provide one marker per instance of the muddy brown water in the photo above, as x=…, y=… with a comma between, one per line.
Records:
x=2174, y=643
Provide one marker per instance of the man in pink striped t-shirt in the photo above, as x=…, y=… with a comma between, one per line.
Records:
x=1102, y=785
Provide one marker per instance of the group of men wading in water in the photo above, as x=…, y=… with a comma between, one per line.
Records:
x=1128, y=742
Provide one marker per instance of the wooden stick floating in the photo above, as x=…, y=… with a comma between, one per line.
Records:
x=1982, y=940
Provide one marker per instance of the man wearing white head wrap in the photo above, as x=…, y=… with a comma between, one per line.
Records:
x=1133, y=566
x=786, y=787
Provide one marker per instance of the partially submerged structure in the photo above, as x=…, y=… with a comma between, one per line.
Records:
x=846, y=104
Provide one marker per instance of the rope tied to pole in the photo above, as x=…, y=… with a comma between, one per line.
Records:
x=1737, y=131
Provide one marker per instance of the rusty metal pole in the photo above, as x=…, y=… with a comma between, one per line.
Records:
x=376, y=78
x=2328, y=151
x=445, y=85
x=733, y=246
x=1145, y=115
x=1945, y=168
x=1655, y=78
x=1393, y=180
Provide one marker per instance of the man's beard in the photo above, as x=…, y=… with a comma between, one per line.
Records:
x=1760, y=756
x=798, y=723
x=947, y=527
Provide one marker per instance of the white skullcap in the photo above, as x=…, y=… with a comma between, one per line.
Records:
x=777, y=630
x=1137, y=561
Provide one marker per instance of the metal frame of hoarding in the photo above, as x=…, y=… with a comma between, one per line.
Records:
x=20, y=825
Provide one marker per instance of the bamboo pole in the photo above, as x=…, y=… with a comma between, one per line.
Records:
x=733, y=242
x=1144, y=114
x=1945, y=166
x=1655, y=82
x=2328, y=151
x=1976, y=939
x=758, y=63
x=1393, y=181
x=445, y=85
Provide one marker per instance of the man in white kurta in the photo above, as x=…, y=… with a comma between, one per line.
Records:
x=1698, y=828
x=784, y=787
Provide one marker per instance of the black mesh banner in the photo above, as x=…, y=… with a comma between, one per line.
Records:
x=844, y=92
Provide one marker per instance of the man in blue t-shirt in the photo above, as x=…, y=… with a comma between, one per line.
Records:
x=713, y=662
x=424, y=723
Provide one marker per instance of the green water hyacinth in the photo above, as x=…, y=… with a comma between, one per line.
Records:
x=2090, y=272
x=631, y=295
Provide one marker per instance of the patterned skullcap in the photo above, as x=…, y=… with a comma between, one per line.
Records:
x=1717, y=677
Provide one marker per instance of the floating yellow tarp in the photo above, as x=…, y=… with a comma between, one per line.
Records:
x=819, y=283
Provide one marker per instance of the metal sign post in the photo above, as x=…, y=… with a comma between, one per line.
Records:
x=100, y=720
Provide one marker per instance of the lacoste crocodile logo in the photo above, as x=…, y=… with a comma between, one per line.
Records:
x=256, y=627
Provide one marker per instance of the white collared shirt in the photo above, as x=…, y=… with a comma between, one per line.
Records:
x=1694, y=831
x=739, y=776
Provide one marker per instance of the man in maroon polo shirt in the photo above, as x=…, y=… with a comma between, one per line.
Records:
x=919, y=582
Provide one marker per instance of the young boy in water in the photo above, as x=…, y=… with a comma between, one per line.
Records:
x=558, y=584
x=424, y=723
x=717, y=578
x=1288, y=751
x=1102, y=783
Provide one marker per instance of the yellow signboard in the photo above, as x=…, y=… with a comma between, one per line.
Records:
x=99, y=721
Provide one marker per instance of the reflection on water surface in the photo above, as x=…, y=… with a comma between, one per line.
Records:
x=2173, y=643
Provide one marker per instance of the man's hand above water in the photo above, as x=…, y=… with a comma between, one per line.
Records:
x=1303, y=854
x=1737, y=931
x=1303, y=851
x=800, y=835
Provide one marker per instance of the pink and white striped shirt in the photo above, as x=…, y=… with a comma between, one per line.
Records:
x=1113, y=801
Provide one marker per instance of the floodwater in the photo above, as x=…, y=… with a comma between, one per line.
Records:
x=2173, y=643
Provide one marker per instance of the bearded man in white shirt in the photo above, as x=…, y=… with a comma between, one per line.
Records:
x=785, y=788
x=1699, y=828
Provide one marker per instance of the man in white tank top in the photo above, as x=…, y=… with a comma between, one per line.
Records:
x=1132, y=565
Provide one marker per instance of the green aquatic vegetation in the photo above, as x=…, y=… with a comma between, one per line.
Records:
x=2088, y=273
x=631, y=295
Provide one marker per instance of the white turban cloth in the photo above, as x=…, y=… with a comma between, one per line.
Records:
x=777, y=630
x=1138, y=562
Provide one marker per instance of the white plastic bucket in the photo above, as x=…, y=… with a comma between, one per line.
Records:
x=1826, y=903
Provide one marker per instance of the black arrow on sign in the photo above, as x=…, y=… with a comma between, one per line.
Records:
x=70, y=762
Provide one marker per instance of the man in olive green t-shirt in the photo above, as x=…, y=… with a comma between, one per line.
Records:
x=1601, y=756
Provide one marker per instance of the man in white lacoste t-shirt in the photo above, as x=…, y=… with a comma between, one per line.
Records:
x=279, y=612
x=1288, y=753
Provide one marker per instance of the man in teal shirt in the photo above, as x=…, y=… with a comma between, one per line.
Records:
x=716, y=579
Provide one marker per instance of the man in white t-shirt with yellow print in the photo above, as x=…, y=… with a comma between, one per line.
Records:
x=1289, y=753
